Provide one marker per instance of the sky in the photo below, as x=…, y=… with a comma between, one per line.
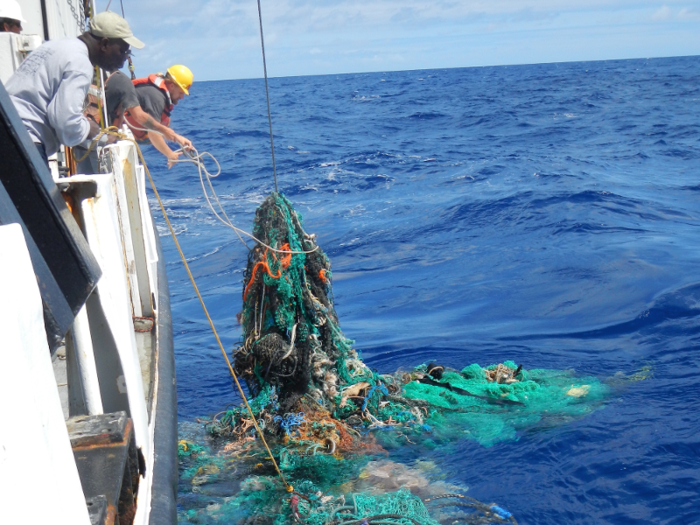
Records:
x=220, y=39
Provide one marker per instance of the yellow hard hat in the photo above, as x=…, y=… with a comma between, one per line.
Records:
x=182, y=76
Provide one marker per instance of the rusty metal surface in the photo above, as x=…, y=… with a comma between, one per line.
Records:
x=108, y=463
x=111, y=518
x=143, y=324
x=105, y=429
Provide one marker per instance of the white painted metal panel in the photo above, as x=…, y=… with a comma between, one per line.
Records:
x=84, y=352
x=129, y=240
x=13, y=49
x=141, y=257
x=101, y=226
x=149, y=231
x=31, y=11
x=37, y=469
x=65, y=18
x=118, y=226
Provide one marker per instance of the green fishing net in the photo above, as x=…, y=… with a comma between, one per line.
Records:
x=548, y=397
x=231, y=483
x=327, y=416
x=309, y=385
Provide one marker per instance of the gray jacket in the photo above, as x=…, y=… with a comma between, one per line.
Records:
x=49, y=91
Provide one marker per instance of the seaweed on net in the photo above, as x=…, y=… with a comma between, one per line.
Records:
x=326, y=412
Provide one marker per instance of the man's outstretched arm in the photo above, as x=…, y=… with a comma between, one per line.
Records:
x=159, y=143
x=148, y=122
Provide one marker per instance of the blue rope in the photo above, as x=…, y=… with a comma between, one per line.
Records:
x=381, y=388
x=289, y=421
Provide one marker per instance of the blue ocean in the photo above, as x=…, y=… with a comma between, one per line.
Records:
x=544, y=214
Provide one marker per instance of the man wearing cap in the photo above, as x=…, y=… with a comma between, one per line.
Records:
x=10, y=17
x=158, y=95
x=50, y=86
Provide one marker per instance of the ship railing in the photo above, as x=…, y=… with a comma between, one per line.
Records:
x=111, y=348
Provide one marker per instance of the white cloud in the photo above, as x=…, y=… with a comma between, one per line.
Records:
x=663, y=14
x=692, y=13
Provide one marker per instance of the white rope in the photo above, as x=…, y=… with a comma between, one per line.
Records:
x=194, y=157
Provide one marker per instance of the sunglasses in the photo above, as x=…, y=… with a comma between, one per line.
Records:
x=124, y=48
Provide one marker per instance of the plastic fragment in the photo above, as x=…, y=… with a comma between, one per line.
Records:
x=501, y=512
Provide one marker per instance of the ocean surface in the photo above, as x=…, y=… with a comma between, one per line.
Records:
x=546, y=214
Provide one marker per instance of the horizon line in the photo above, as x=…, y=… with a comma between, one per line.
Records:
x=516, y=64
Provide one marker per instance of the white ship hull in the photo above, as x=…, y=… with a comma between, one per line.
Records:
x=116, y=367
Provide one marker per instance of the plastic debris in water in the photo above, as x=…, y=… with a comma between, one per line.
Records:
x=578, y=391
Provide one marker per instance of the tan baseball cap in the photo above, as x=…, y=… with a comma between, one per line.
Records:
x=110, y=25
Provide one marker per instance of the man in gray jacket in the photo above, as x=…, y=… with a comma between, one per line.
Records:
x=50, y=86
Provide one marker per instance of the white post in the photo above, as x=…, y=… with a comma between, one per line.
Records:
x=85, y=359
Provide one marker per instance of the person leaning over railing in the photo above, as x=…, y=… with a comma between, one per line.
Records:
x=50, y=86
x=121, y=97
x=158, y=94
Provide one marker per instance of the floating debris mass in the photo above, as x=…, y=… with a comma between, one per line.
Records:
x=328, y=416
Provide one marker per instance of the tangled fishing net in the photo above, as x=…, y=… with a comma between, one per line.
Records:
x=328, y=416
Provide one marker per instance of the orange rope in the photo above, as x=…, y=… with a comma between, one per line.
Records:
x=286, y=261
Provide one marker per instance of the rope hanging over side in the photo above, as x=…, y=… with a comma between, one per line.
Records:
x=211, y=322
x=131, y=69
x=267, y=93
x=201, y=300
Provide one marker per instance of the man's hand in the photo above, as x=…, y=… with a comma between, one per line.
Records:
x=159, y=143
x=174, y=137
x=172, y=157
x=182, y=141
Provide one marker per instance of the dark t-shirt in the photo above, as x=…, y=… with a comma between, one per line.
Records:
x=120, y=94
x=153, y=100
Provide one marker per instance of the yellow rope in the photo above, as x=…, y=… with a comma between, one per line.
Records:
x=99, y=98
x=290, y=488
x=112, y=130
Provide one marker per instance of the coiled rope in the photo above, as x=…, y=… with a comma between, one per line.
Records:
x=196, y=158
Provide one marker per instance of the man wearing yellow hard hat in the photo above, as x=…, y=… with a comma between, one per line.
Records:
x=158, y=94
